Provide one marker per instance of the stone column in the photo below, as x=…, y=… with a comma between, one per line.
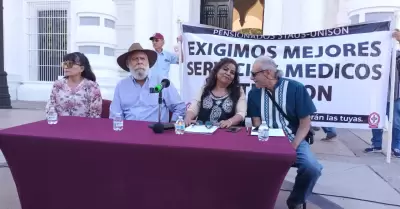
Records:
x=145, y=21
x=312, y=15
x=195, y=11
x=181, y=11
x=95, y=36
x=13, y=45
x=5, y=102
x=164, y=23
x=273, y=16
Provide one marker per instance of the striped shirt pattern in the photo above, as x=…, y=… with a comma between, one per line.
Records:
x=293, y=99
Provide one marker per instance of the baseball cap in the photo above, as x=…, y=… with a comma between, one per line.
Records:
x=157, y=36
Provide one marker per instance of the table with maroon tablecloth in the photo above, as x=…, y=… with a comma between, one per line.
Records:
x=81, y=163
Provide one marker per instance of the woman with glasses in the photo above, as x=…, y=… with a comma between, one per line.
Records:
x=77, y=94
x=221, y=101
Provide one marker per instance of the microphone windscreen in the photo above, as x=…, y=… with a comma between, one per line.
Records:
x=166, y=82
x=158, y=128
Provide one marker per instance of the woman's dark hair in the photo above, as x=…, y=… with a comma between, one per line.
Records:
x=211, y=81
x=81, y=60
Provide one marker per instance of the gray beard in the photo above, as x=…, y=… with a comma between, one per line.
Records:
x=140, y=73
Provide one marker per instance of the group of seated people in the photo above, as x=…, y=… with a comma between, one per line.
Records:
x=221, y=101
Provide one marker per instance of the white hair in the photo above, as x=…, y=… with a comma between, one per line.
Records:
x=267, y=63
x=140, y=73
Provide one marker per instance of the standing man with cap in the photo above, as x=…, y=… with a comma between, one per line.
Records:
x=164, y=58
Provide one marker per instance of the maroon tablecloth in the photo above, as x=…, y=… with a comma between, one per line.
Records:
x=81, y=163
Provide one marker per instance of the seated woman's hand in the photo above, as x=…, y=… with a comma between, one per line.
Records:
x=189, y=122
x=225, y=124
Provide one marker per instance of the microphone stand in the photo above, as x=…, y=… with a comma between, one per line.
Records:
x=159, y=106
x=160, y=127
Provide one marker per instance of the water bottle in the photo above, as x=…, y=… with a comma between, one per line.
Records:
x=118, y=122
x=52, y=117
x=180, y=126
x=263, y=132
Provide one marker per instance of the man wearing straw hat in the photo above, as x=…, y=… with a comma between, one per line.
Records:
x=133, y=98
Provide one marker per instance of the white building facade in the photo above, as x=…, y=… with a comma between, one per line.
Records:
x=37, y=33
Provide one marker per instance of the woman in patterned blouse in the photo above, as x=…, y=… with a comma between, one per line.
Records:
x=77, y=94
x=221, y=101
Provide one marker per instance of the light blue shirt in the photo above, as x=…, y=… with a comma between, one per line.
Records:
x=135, y=102
x=162, y=66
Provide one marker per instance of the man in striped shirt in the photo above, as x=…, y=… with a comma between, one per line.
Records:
x=296, y=103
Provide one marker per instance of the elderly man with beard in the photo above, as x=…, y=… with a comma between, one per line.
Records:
x=132, y=97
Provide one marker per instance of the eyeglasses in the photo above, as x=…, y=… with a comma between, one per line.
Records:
x=207, y=124
x=254, y=74
x=69, y=64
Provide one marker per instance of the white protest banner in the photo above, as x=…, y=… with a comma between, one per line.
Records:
x=345, y=69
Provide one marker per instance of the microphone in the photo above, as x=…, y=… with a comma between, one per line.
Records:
x=158, y=128
x=164, y=84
